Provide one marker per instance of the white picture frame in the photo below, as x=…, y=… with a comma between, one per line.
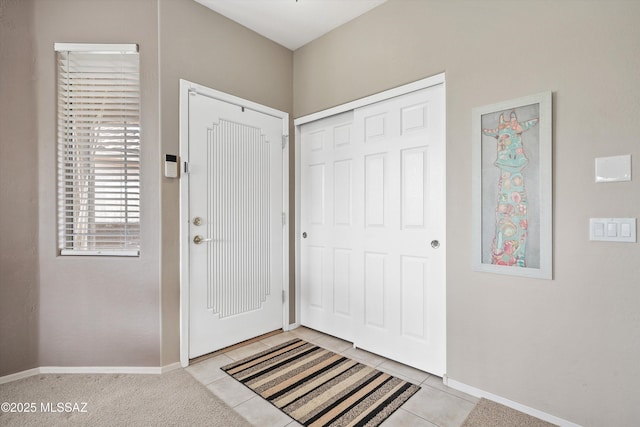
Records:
x=512, y=187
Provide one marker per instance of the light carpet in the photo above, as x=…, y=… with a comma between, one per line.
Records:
x=317, y=387
x=171, y=399
x=491, y=414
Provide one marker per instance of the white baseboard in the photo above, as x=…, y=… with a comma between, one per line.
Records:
x=510, y=403
x=171, y=367
x=19, y=375
x=145, y=370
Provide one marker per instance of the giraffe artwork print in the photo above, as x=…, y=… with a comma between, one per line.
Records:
x=512, y=187
x=509, y=244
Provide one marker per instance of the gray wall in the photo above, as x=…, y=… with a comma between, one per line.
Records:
x=203, y=47
x=18, y=191
x=98, y=311
x=568, y=347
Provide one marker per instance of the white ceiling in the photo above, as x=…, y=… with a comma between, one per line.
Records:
x=291, y=23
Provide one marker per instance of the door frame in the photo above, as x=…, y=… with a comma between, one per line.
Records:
x=359, y=103
x=187, y=88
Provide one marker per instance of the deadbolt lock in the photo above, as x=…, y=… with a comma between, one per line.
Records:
x=197, y=221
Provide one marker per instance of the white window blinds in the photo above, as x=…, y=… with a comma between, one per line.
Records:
x=98, y=149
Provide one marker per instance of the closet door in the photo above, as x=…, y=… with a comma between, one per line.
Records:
x=373, y=210
x=330, y=240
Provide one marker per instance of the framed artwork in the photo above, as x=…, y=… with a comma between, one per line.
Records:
x=512, y=187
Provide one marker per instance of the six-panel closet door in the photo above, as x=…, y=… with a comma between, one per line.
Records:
x=373, y=228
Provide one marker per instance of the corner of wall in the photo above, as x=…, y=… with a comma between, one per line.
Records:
x=19, y=272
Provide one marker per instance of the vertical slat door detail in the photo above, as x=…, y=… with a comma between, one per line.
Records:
x=236, y=249
x=238, y=258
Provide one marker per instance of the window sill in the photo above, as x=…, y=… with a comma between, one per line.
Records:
x=104, y=252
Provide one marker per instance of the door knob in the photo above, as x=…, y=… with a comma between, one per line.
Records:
x=304, y=235
x=435, y=244
x=199, y=239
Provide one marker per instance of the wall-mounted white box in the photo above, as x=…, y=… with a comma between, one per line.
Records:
x=613, y=229
x=613, y=169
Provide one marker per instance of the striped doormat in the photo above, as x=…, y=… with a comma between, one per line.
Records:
x=317, y=387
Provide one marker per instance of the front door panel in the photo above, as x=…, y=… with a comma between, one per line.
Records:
x=235, y=207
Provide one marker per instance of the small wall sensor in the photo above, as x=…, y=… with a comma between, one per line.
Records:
x=170, y=165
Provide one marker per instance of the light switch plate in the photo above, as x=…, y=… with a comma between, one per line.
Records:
x=613, y=229
x=613, y=169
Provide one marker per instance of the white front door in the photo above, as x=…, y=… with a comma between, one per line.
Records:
x=373, y=228
x=235, y=226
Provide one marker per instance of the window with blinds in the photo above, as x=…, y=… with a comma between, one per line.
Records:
x=98, y=149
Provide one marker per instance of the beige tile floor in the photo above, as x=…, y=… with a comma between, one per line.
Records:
x=434, y=405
